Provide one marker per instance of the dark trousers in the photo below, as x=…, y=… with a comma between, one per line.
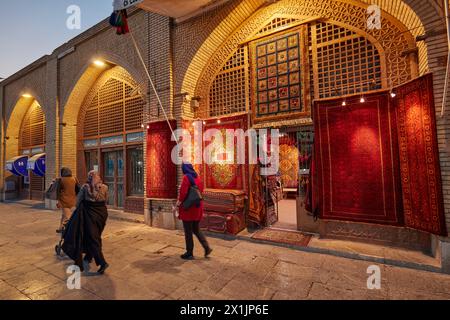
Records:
x=190, y=228
x=95, y=251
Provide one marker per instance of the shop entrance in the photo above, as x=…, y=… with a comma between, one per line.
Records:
x=113, y=166
x=286, y=191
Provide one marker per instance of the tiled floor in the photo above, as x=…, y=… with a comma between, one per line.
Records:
x=145, y=264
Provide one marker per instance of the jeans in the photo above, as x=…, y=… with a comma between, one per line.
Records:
x=190, y=228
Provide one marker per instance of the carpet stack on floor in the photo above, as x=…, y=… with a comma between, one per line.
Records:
x=224, y=211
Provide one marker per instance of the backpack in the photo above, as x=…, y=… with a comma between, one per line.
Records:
x=52, y=191
x=194, y=197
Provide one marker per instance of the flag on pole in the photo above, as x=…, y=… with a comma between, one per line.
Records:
x=119, y=18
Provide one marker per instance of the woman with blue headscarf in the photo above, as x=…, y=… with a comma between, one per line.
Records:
x=192, y=216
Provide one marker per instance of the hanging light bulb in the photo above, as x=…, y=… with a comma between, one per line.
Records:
x=344, y=103
x=142, y=126
x=393, y=94
x=362, y=99
x=219, y=122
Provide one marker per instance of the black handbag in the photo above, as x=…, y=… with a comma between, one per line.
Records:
x=194, y=197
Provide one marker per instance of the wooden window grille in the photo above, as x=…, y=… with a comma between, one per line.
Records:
x=229, y=91
x=33, y=128
x=116, y=108
x=275, y=24
x=344, y=62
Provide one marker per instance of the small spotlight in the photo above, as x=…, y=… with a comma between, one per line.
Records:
x=344, y=103
x=27, y=95
x=362, y=100
x=142, y=126
x=393, y=94
x=99, y=63
x=148, y=127
x=219, y=122
x=204, y=123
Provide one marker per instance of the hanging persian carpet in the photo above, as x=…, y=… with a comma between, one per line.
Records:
x=161, y=170
x=222, y=175
x=419, y=157
x=357, y=171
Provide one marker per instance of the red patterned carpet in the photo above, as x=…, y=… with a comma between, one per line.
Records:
x=161, y=171
x=222, y=175
x=281, y=236
x=357, y=175
x=419, y=157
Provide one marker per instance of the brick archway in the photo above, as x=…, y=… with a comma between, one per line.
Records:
x=74, y=99
x=229, y=34
x=14, y=121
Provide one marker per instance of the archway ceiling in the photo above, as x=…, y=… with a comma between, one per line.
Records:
x=182, y=8
x=178, y=8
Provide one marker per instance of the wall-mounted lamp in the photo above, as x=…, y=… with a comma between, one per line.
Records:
x=195, y=102
x=27, y=96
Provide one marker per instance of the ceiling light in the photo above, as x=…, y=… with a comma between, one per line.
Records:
x=393, y=94
x=344, y=103
x=27, y=95
x=99, y=63
x=362, y=100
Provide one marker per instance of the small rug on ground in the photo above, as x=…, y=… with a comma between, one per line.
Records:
x=281, y=236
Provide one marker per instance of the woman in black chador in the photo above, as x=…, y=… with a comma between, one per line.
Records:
x=84, y=231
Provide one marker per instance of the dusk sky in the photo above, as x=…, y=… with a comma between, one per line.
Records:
x=31, y=28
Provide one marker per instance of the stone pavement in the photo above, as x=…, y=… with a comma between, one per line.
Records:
x=145, y=264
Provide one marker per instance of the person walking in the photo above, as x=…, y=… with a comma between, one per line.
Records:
x=84, y=233
x=191, y=214
x=67, y=190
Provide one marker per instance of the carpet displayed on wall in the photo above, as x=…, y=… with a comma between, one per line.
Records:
x=289, y=162
x=276, y=75
x=161, y=171
x=419, y=157
x=222, y=175
x=357, y=166
x=256, y=212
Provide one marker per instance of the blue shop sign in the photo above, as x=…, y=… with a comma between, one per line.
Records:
x=37, y=164
x=18, y=166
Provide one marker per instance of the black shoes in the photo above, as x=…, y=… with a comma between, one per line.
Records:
x=187, y=256
x=208, y=252
x=103, y=268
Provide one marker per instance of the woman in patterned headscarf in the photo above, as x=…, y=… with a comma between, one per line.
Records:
x=85, y=230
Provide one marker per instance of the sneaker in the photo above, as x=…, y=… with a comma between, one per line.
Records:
x=187, y=256
x=208, y=252
x=103, y=268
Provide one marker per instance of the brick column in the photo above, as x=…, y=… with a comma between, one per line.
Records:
x=52, y=129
